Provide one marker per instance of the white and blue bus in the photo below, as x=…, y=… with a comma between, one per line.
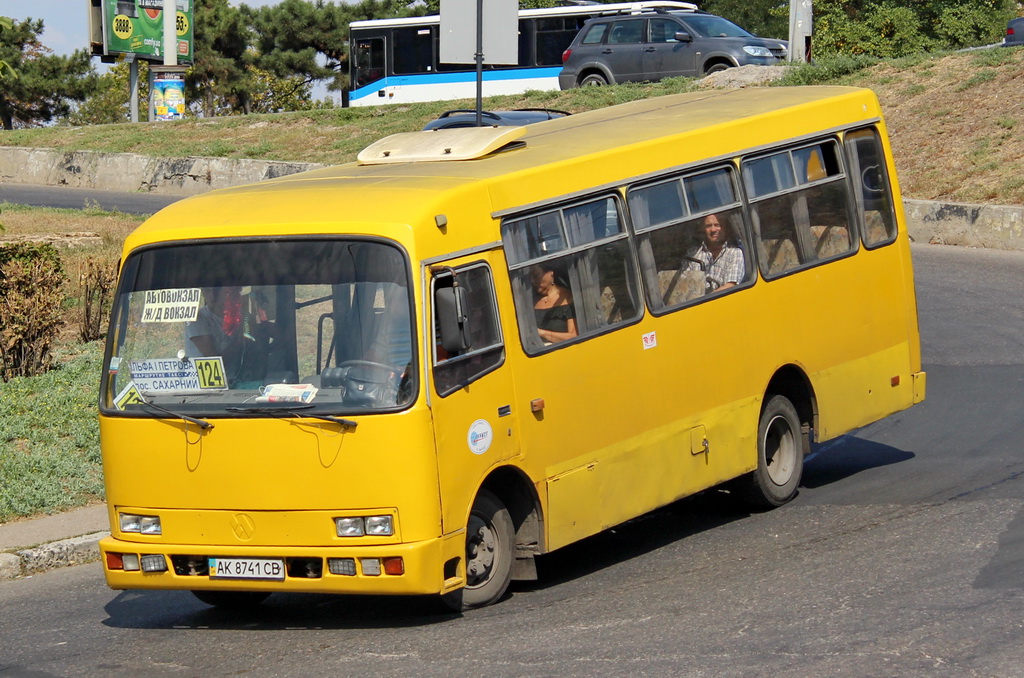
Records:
x=395, y=61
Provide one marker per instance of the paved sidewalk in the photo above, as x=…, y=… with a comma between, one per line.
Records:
x=70, y=538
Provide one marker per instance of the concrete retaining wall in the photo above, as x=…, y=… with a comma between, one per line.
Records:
x=132, y=172
x=992, y=226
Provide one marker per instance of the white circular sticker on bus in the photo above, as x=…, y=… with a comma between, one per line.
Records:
x=480, y=436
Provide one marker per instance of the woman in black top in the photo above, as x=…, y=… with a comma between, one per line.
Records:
x=553, y=307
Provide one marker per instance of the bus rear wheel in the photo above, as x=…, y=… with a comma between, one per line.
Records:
x=490, y=546
x=780, y=456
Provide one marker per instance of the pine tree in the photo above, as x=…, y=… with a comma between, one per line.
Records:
x=46, y=85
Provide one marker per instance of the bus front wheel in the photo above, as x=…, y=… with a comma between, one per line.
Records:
x=780, y=456
x=490, y=548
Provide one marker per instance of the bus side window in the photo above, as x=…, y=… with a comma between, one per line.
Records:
x=692, y=237
x=871, y=186
x=486, y=350
x=369, y=61
x=572, y=272
x=800, y=207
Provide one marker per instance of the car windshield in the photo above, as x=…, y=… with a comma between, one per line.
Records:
x=715, y=26
x=224, y=327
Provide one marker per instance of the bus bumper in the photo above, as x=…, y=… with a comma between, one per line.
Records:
x=427, y=567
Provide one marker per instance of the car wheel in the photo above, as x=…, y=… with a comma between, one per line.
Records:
x=716, y=68
x=593, y=80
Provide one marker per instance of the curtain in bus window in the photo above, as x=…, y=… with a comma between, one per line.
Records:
x=413, y=50
x=657, y=204
x=874, y=197
x=592, y=221
x=533, y=237
x=710, y=190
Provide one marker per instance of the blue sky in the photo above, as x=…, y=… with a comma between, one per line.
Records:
x=65, y=23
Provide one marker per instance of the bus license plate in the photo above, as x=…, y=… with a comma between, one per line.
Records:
x=247, y=568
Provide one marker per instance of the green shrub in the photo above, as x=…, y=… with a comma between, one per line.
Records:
x=49, y=438
x=31, y=308
x=826, y=70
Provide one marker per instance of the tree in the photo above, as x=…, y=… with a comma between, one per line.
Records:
x=766, y=18
x=887, y=28
x=6, y=23
x=47, y=85
x=218, y=78
x=310, y=39
x=110, y=102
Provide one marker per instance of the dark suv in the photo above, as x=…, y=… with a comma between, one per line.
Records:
x=1014, y=33
x=662, y=44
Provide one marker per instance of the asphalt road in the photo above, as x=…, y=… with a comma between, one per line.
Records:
x=79, y=198
x=903, y=555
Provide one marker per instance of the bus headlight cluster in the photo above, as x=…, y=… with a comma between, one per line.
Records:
x=140, y=524
x=365, y=526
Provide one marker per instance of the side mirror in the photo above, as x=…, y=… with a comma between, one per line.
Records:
x=683, y=36
x=450, y=308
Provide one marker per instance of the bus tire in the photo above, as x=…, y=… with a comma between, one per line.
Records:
x=232, y=600
x=780, y=456
x=490, y=548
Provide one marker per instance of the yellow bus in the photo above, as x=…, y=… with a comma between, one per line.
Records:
x=416, y=373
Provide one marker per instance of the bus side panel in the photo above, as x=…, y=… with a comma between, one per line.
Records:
x=864, y=371
x=621, y=432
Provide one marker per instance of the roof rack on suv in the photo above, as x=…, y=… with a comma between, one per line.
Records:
x=648, y=6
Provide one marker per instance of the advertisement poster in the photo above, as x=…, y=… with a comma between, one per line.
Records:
x=169, y=96
x=137, y=27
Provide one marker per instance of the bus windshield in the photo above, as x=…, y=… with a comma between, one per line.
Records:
x=224, y=328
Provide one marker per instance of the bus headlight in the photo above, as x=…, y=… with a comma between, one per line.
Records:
x=359, y=526
x=379, y=526
x=140, y=524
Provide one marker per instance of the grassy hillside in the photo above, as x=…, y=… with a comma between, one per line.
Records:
x=955, y=122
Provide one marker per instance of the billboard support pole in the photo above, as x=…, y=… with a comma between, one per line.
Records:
x=133, y=88
x=479, y=62
x=170, y=33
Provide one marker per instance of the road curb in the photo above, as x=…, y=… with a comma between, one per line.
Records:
x=61, y=553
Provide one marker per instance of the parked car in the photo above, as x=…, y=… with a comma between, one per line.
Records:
x=1014, y=33
x=467, y=118
x=661, y=44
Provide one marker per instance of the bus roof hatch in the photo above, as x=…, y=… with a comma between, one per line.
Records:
x=464, y=143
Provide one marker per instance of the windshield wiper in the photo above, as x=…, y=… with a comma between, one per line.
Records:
x=290, y=409
x=201, y=423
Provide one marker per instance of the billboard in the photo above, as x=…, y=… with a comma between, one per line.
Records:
x=137, y=27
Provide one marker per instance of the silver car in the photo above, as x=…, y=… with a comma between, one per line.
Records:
x=661, y=44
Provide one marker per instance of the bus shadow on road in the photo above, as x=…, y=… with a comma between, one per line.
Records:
x=847, y=456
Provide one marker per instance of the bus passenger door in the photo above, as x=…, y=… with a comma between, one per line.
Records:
x=471, y=390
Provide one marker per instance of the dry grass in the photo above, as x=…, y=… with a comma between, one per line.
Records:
x=112, y=228
x=956, y=124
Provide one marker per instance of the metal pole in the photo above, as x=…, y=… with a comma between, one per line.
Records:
x=479, y=63
x=170, y=33
x=133, y=88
